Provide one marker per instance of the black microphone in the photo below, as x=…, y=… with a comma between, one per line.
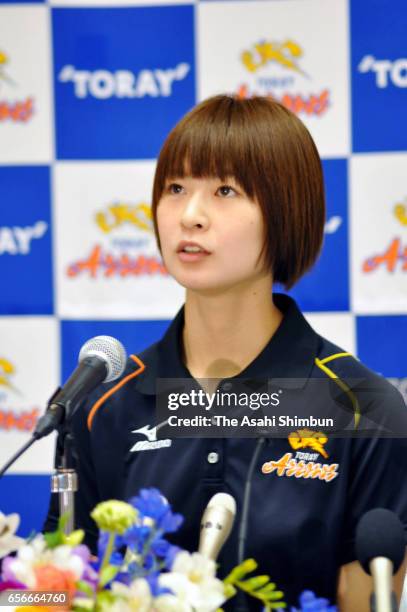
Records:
x=380, y=548
x=101, y=359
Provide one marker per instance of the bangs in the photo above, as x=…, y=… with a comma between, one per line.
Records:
x=215, y=141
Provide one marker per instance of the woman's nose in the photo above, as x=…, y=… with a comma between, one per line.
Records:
x=194, y=213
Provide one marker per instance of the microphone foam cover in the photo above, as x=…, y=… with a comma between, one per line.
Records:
x=110, y=350
x=380, y=533
x=224, y=500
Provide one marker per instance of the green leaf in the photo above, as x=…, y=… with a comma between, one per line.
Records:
x=257, y=582
x=62, y=521
x=104, y=601
x=240, y=571
x=230, y=591
x=108, y=573
x=73, y=539
x=84, y=587
x=258, y=587
x=83, y=605
x=272, y=595
x=268, y=587
x=53, y=539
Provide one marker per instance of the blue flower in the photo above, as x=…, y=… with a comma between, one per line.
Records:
x=155, y=588
x=116, y=558
x=150, y=503
x=309, y=602
x=172, y=552
x=160, y=547
x=136, y=538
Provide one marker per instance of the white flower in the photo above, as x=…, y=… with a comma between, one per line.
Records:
x=36, y=553
x=171, y=603
x=136, y=596
x=8, y=541
x=193, y=581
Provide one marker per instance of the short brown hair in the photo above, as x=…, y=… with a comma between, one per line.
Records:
x=271, y=155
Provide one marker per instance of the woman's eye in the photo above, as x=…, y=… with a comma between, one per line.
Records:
x=175, y=188
x=226, y=190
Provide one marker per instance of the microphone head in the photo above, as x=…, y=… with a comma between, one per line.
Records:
x=110, y=350
x=216, y=524
x=380, y=533
x=224, y=500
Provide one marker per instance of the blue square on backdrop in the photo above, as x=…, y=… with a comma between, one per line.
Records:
x=25, y=241
x=134, y=335
x=123, y=77
x=379, y=75
x=326, y=286
x=381, y=343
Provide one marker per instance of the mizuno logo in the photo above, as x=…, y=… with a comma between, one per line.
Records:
x=151, y=443
x=151, y=434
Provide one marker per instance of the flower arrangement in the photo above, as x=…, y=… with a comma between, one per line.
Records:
x=136, y=569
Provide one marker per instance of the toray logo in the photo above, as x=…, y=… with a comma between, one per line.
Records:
x=276, y=66
x=103, y=84
x=386, y=72
x=286, y=54
x=127, y=231
x=394, y=257
x=17, y=110
x=304, y=465
x=18, y=240
x=7, y=369
x=305, y=438
x=332, y=224
x=119, y=213
x=11, y=418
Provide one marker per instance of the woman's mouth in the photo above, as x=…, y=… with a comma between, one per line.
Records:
x=189, y=252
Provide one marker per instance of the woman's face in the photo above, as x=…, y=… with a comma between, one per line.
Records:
x=222, y=221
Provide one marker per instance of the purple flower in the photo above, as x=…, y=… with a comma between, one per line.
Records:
x=83, y=552
x=150, y=503
x=12, y=584
x=90, y=574
x=7, y=573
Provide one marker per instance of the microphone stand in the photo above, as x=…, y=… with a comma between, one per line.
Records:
x=64, y=480
x=241, y=600
x=375, y=607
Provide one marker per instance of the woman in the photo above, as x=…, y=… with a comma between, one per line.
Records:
x=238, y=205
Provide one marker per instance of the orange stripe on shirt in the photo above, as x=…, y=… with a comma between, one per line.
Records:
x=113, y=390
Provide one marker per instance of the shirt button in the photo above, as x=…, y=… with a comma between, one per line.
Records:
x=227, y=386
x=213, y=457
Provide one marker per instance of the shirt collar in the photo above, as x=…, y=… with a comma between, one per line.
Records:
x=289, y=355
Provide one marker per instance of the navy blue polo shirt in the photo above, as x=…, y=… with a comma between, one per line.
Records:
x=305, y=499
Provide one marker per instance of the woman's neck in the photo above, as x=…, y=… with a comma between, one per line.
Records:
x=224, y=333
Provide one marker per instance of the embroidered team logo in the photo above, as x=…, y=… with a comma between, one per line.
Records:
x=151, y=443
x=304, y=464
x=306, y=438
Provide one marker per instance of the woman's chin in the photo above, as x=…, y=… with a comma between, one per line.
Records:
x=198, y=285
